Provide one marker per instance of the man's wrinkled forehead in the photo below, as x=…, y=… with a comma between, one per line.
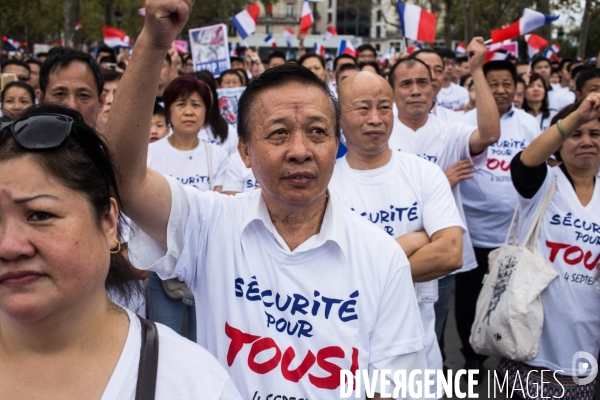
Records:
x=89, y=75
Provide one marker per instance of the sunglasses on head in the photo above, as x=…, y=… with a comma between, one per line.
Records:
x=40, y=132
x=46, y=132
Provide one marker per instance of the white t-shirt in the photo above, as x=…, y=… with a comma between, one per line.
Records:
x=443, y=143
x=454, y=97
x=238, y=178
x=447, y=115
x=544, y=123
x=342, y=299
x=190, y=167
x=489, y=198
x=560, y=98
x=570, y=241
x=185, y=370
x=230, y=145
x=408, y=194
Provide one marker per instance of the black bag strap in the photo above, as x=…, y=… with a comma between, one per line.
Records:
x=148, y=368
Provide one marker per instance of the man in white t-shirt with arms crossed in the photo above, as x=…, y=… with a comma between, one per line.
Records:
x=403, y=194
x=290, y=286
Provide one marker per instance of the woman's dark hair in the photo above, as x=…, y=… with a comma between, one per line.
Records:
x=231, y=72
x=544, y=109
x=83, y=163
x=373, y=64
x=243, y=74
x=311, y=55
x=275, y=78
x=21, y=85
x=218, y=125
x=184, y=86
x=463, y=79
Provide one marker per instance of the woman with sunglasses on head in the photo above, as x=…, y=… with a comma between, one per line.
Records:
x=192, y=162
x=16, y=97
x=60, y=235
x=569, y=242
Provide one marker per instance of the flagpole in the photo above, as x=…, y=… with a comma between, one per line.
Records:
x=403, y=46
x=489, y=41
x=529, y=67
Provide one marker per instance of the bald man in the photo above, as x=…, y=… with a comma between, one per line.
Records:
x=403, y=194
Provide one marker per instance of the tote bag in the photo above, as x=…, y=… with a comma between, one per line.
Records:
x=509, y=315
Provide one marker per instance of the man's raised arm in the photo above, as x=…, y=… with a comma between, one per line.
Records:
x=488, y=118
x=145, y=194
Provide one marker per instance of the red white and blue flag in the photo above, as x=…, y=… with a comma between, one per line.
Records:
x=13, y=43
x=233, y=50
x=289, y=36
x=414, y=47
x=530, y=20
x=77, y=27
x=330, y=32
x=461, y=49
x=245, y=21
x=306, y=18
x=556, y=48
x=319, y=49
x=535, y=44
x=345, y=47
x=417, y=24
x=270, y=41
x=498, y=55
x=114, y=37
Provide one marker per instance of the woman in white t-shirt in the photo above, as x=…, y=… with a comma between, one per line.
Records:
x=60, y=250
x=192, y=162
x=217, y=130
x=536, y=101
x=569, y=241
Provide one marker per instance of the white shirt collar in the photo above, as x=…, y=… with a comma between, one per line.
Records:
x=332, y=228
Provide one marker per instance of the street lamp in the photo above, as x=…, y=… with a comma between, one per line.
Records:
x=118, y=16
x=560, y=33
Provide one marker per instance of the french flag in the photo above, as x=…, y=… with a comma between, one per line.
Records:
x=233, y=50
x=77, y=27
x=535, y=44
x=269, y=40
x=13, y=43
x=306, y=19
x=461, y=49
x=319, y=49
x=417, y=24
x=114, y=37
x=499, y=55
x=556, y=48
x=330, y=32
x=345, y=47
x=530, y=20
x=289, y=35
x=245, y=21
x=414, y=47
x=549, y=54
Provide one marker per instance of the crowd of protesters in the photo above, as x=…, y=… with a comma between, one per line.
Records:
x=326, y=230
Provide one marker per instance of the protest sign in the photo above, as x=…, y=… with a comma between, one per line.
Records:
x=181, y=46
x=228, y=103
x=209, y=49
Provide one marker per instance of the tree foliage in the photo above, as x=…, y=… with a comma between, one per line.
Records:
x=43, y=21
